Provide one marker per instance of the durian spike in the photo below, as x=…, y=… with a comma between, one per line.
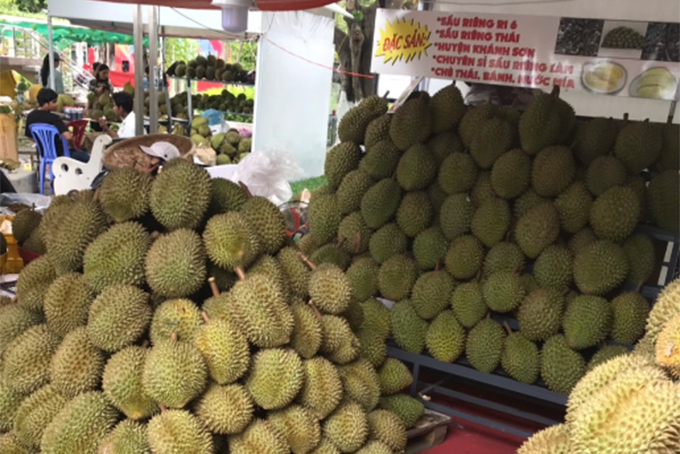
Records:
x=174, y=337
x=213, y=287
x=356, y=244
x=507, y=327
x=240, y=273
x=307, y=261
x=316, y=310
x=205, y=317
x=245, y=189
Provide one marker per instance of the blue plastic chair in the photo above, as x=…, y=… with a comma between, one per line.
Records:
x=45, y=136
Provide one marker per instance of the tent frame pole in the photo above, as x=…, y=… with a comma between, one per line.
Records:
x=153, y=60
x=50, y=51
x=138, y=35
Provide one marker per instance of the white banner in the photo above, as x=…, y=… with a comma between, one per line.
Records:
x=616, y=58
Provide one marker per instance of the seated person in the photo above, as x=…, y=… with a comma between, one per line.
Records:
x=123, y=106
x=47, y=100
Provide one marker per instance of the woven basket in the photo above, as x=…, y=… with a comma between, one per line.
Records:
x=127, y=153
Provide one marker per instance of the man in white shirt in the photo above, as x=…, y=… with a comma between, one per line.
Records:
x=123, y=107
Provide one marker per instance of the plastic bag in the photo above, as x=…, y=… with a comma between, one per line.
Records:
x=41, y=202
x=215, y=117
x=267, y=173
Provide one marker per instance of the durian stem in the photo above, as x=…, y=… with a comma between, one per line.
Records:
x=173, y=336
x=145, y=344
x=14, y=300
x=507, y=327
x=625, y=116
x=639, y=286
x=437, y=265
x=245, y=189
x=385, y=95
x=478, y=278
x=213, y=287
x=240, y=273
x=566, y=291
x=204, y=316
x=307, y=261
x=95, y=197
x=162, y=407
x=315, y=309
x=339, y=242
x=154, y=235
x=555, y=90
x=356, y=244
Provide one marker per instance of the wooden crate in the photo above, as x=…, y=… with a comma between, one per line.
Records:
x=429, y=431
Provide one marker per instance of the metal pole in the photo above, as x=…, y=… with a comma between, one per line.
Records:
x=164, y=81
x=138, y=35
x=51, y=51
x=153, y=59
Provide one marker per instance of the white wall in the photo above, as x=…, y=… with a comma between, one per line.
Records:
x=585, y=103
x=293, y=95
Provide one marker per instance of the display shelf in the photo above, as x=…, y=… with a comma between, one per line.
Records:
x=188, y=80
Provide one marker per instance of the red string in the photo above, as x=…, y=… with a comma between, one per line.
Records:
x=337, y=70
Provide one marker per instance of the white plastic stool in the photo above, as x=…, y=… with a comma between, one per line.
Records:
x=70, y=174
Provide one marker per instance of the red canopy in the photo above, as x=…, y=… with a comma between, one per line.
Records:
x=263, y=5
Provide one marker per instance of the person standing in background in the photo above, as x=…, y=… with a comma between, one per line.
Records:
x=101, y=84
x=45, y=73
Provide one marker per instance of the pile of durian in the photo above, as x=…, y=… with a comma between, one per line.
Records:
x=468, y=218
x=172, y=315
x=630, y=404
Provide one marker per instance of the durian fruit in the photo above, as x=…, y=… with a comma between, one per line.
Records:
x=485, y=345
x=615, y=213
x=180, y=195
x=10, y=402
x=352, y=189
x=14, y=320
x=396, y=277
x=387, y=241
x=503, y=291
x=174, y=373
x=26, y=362
x=630, y=312
x=511, y=174
x=225, y=196
x=526, y=202
x=388, y=428
x=377, y=130
x=587, y=321
x=380, y=160
x=537, y=229
x=341, y=160
x=24, y=223
x=641, y=258
x=600, y=267
x=77, y=365
x=554, y=439
x=127, y=437
x=322, y=387
x=408, y=329
x=663, y=199
x=638, y=146
x=295, y=271
x=573, y=207
x=431, y=293
x=446, y=109
x=299, y=426
x=606, y=353
x=417, y=168
x=332, y=254
x=472, y=121
x=79, y=426
x=455, y=217
x=503, y=256
x=411, y=123
x=670, y=152
x=494, y=137
x=259, y=436
x=552, y=171
x=541, y=124
x=373, y=348
x=581, y=239
x=276, y=377
x=594, y=138
x=467, y=302
x=406, y=407
x=308, y=333
x=175, y=264
x=429, y=248
x=375, y=447
x=540, y=314
x=415, y=213
x=491, y=221
x=394, y=376
x=604, y=173
x=376, y=318
x=330, y=289
x=339, y=344
x=267, y=221
x=561, y=367
x=118, y=317
x=34, y=414
x=261, y=311
x=445, y=338
x=444, y=144
x=267, y=266
x=464, y=257
x=347, y=427
x=553, y=268
x=363, y=278
x=10, y=444
x=458, y=173
x=225, y=350
x=361, y=383
x=125, y=194
x=521, y=358
x=324, y=218
x=231, y=242
x=354, y=124
x=177, y=316
x=225, y=409
x=353, y=234
x=178, y=431
x=122, y=383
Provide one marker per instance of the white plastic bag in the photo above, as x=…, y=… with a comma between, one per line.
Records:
x=267, y=173
x=40, y=201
